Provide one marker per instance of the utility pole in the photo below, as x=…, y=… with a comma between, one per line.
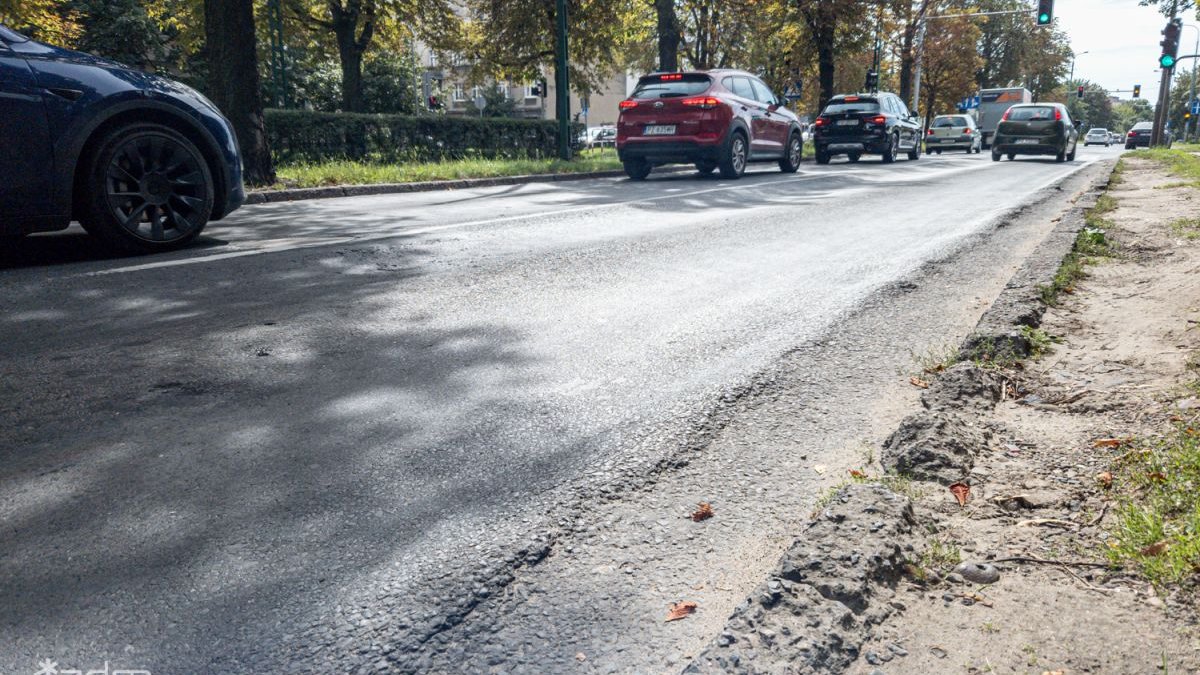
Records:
x=1168, y=70
x=562, y=83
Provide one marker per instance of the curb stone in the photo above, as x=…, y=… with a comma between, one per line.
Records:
x=335, y=191
x=825, y=620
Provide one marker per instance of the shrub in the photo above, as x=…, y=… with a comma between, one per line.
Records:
x=306, y=136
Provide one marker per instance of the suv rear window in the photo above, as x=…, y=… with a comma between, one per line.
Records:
x=854, y=105
x=671, y=85
x=1033, y=113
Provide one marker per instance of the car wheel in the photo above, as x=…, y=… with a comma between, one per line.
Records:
x=147, y=189
x=822, y=157
x=637, y=169
x=706, y=168
x=734, y=163
x=915, y=153
x=995, y=156
x=889, y=153
x=1061, y=156
x=938, y=151
x=1071, y=155
x=854, y=158
x=1012, y=156
x=795, y=152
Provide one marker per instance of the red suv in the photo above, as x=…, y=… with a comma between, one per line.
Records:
x=716, y=119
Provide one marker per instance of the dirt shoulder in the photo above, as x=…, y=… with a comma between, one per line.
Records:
x=1071, y=427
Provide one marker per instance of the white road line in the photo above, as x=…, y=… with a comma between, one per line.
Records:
x=906, y=176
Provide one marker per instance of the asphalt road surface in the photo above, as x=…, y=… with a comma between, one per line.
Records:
x=328, y=437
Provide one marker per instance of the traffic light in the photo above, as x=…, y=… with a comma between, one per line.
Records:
x=1170, y=43
x=1137, y=91
x=1080, y=91
x=872, y=81
x=1045, y=12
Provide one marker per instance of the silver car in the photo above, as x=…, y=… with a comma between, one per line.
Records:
x=1097, y=136
x=953, y=132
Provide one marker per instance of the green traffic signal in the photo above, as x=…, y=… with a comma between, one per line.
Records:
x=1043, y=19
x=1166, y=61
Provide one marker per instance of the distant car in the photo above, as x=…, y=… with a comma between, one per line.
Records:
x=604, y=137
x=1097, y=136
x=1139, y=136
x=715, y=119
x=141, y=161
x=1036, y=129
x=953, y=132
x=872, y=124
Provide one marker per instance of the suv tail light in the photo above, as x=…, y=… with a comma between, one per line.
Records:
x=821, y=121
x=702, y=102
x=967, y=131
x=1057, y=115
x=627, y=104
x=878, y=119
x=1132, y=134
x=929, y=131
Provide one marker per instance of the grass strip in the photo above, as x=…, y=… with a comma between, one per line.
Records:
x=1180, y=161
x=345, y=172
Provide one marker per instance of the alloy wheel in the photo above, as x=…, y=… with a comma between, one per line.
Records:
x=737, y=152
x=155, y=189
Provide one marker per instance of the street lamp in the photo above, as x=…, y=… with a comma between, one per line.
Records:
x=1073, y=57
x=1073, y=102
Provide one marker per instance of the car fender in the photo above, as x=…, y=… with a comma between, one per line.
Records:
x=127, y=106
x=737, y=123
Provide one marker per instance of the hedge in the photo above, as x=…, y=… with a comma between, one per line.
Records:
x=302, y=135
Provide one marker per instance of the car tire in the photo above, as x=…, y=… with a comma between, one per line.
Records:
x=145, y=171
x=889, y=153
x=706, y=168
x=853, y=158
x=938, y=151
x=1061, y=157
x=733, y=164
x=637, y=169
x=822, y=157
x=1011, y=156
x=792, y=155
x=1071, y=155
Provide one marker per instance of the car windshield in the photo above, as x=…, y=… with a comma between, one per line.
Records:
x=943, y=122
x=1142, y=126
x=851, y=105
x=1031, y=114
x=671, y=85
x=1098, y=132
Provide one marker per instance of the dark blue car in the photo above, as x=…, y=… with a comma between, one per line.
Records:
x=142, y=162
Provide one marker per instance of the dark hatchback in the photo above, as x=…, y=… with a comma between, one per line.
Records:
x=141, y=161
x=715, y=119
x=1036, y=129
x=1140, y=134
x=873, y=124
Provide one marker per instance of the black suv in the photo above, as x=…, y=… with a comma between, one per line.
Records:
x=872, y=124
x=1036, y=129
x=1139, y=136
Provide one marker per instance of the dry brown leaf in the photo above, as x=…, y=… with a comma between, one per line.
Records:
x=1157, y=476
x=1106, y=443
x=681, y=610
x=1158, y=548
x=961, y=492
x=703, y=511
x=855, y=473
x=918, y=382
x=1105, y=478
x=977, y=598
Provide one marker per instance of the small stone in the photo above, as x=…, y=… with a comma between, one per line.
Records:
x=873, y=659
x=954, y=578
x=898, y=650
x=724, y=640
x=978, y=573
x=938, y=652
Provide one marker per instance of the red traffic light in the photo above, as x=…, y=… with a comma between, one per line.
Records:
x=1080, y=91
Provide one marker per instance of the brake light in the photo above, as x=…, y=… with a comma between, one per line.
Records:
x=1131, y=134
x=878, y=119
x=1006, y=114
x=672, y=77
x=702, y=102
x=627, y=105
x=850, y=99
x=930, y=132
x=821, y=121
x=1057, y=115
x=967, y=131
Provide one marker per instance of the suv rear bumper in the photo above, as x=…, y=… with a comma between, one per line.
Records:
x=670, y=151
x=872, y=143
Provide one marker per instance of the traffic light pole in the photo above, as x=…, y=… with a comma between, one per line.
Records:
x=1160, y=113
x=562, y=83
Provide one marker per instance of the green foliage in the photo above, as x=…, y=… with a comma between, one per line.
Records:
x=1188, y=228
x=1178, y=161
x=303, y=136
x=1091, y=242
x=344, y=172
x=1158, y=522
x=1128, y=113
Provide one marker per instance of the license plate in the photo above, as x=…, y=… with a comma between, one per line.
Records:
x=847, y=123
x=660, y=130
x=1027, y=141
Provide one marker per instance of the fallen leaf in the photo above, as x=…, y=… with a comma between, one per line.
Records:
x=703, y=511
x=1158, y=548
x=977, y=598
x=918, y=382
x=1157, y=476
x=855, y=473
x=1106, y=443
x=681, y=610
x=1105, y=478
x=961, y=491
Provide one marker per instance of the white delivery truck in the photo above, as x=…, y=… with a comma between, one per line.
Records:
x=993, y=103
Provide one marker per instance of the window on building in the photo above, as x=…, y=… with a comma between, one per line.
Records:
x=459, y=93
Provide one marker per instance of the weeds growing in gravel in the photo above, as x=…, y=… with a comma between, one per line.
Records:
x=1179, y=162
x=1091, y=243
x=934, y=359
x=1158, y=516
x=1188, y=228
x=1039, y=341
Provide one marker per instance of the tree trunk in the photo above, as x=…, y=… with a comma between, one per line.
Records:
x=350, y=59
x=668, y=35
x=822, y=24
x=907, y=59
x=233, y=81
